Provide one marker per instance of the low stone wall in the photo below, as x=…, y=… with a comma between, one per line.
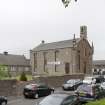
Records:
x=8, y=87
x=15, y=88
x=57, y=81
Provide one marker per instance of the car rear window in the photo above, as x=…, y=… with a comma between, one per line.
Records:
x=30, y=86
x=103, y=83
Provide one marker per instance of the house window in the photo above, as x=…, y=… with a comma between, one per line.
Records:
x=26, y=68
x=45, y=60
x=35, y=61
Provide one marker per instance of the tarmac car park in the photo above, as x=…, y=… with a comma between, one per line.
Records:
x=27, y=101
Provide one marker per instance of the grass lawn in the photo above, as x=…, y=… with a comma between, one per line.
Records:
x=98, y=102
x=29, y=77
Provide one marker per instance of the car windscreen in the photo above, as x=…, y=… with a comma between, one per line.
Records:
x=71, y=81
x=51, y=100
x=103, y=83
x=84, y=88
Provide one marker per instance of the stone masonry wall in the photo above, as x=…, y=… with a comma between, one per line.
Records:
x=15, y=88
x=8, y=87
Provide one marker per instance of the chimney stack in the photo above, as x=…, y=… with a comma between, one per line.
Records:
x=5, y=53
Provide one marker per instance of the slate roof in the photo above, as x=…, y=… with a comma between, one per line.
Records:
x=14, y=60
x=55, y=45
x=99, y=62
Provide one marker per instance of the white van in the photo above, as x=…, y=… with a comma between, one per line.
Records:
x=89, y=80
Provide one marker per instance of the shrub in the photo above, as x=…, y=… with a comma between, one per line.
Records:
x=23, y=77
x=3, y=72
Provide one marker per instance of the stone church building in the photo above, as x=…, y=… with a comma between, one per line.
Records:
x=66, y=57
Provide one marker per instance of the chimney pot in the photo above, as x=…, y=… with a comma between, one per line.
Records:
x=43, y=41
x=5, y=53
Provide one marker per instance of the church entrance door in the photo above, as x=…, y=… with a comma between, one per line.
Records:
x=67, y=68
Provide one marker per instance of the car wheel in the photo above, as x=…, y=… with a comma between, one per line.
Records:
x=25, y=96
x=79, y=103
x=74, y=88
x=36, y=96
x=52, y=91
x=63, y=88
x=3, y=103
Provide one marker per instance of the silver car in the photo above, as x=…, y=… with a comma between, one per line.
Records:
x=102, y=85
x=71, y=84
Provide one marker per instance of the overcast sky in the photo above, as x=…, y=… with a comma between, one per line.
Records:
x=24, y=23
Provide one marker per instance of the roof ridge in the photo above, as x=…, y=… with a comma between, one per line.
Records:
x=11, y=54
x=59, y=41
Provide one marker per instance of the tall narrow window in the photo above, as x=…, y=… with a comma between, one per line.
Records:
x=85, y=52
x=35, y=61
x=67, y=67
x=84, y=67
x=45, y=60
x=56, y=59
x=79, y=60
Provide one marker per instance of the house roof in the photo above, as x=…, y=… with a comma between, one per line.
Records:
x=14, y=60
x=55, y=45
x=99, y=62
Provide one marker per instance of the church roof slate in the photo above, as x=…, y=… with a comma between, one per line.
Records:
x=55, y=45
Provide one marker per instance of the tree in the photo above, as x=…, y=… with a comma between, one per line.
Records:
x=3, y=71
x=66, y=2
x=23, y=77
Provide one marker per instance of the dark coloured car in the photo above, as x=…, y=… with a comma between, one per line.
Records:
x=60, y=99
x=89, y=92
x=3, y=100
x=99, y=79
x=72, y=84
x=37, y=90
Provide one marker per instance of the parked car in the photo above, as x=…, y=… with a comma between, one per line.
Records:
x=95, y=79
x=37, y=90
x=99, y=78
x=88, y=92
x=60, y=99
x=102, y=85
x=3, y=100
x=89, y=80
x=71, y=84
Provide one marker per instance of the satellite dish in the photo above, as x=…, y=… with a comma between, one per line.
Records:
x=66, y=2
